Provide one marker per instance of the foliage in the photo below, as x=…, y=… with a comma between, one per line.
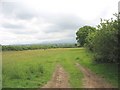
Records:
x=82, y=33
x=35, y=46
x=90, y=40
x=103, y=40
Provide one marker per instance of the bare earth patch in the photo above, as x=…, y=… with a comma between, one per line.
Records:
x=91, y=80
x=59, y=79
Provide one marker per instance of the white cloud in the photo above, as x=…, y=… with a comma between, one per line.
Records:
x=36, y=21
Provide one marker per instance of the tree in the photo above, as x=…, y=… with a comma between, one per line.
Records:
x=82, y=33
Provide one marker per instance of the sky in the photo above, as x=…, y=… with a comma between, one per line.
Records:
x=50, y=21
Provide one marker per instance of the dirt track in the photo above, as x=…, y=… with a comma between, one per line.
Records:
x=59, y=79
x=91, y=80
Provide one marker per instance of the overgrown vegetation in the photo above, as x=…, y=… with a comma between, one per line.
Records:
x=102, y=40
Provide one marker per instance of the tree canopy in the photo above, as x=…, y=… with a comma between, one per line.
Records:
x=82, y=33
x=102, y=40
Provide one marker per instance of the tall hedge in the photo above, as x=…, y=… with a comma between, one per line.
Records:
x=104, y=42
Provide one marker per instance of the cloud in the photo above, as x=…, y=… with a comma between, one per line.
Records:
x=8, y=7
x=37, y=21
x=25, y=15
x=12, y=26
x=24, y=32
x=63, y=23
x=17, y=10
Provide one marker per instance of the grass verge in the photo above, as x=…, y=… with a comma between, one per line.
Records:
x=106, y=70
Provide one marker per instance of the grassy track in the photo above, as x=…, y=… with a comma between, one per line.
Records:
x=34, y=68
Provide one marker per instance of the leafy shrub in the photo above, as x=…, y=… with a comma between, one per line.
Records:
x=104, y=42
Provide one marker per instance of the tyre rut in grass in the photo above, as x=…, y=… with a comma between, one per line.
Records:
x=91, y=80
x=59, y=79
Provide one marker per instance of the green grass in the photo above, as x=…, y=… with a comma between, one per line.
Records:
x=108, y=71
x=33, y=68
x=27, y=68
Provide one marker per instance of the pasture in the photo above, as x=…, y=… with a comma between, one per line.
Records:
x=34, y=68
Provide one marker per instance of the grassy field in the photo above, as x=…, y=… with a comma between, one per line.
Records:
x=33, y=68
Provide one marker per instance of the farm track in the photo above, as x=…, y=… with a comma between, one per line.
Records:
x=59, y=79
x=92, y=80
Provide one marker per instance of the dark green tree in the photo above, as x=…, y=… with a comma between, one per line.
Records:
x=82, y=33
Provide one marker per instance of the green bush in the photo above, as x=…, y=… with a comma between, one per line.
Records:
x=104, y=42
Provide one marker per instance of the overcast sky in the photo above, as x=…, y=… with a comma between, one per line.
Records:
x=39, y=21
